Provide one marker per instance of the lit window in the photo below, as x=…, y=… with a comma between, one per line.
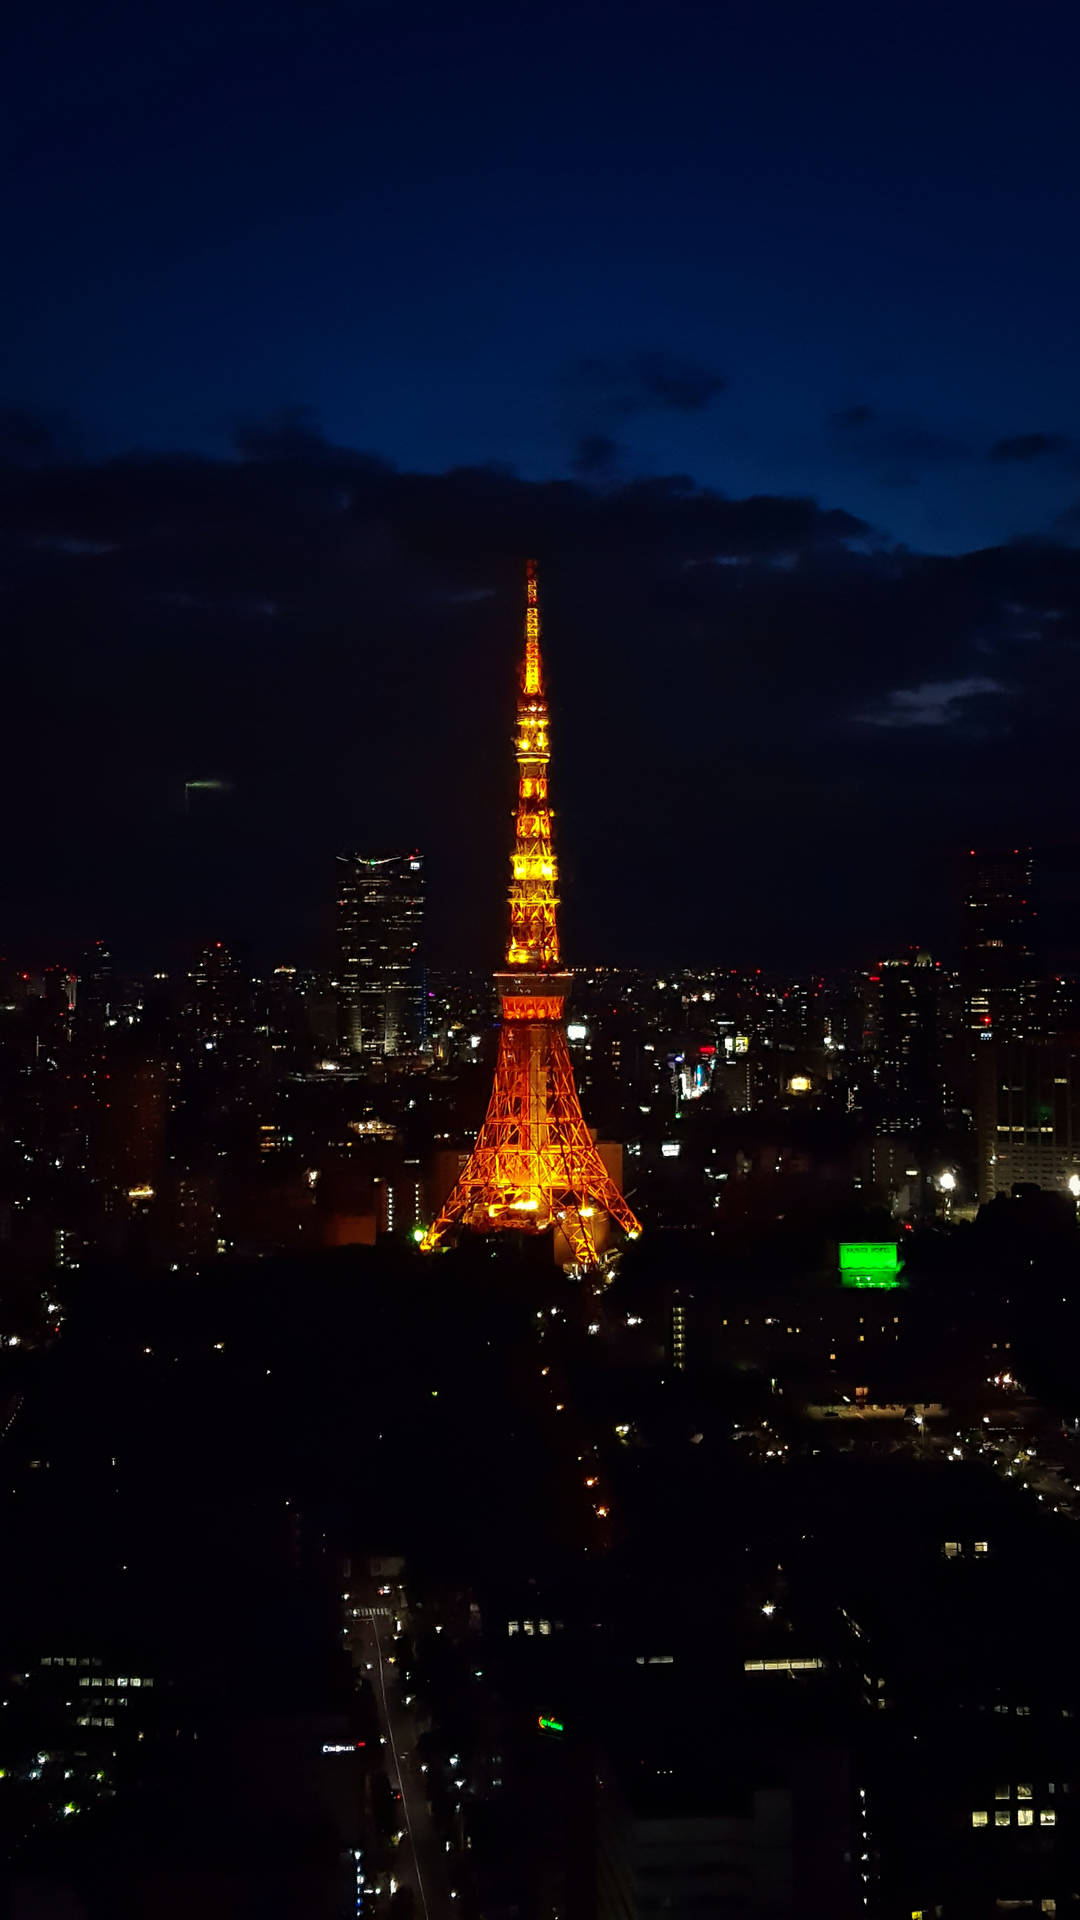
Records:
x=982, y=1546
x=46, y=1659
x=1047, y=1817
x=980, y=1818
x=108, y=1721
x=1023, y=1791
x=1002, y=1818
x=1024, y=1817
x=1001, y=1793
x=951, y=1549
x=135, y=1681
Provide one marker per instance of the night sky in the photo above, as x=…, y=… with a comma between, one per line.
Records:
x=756, y=323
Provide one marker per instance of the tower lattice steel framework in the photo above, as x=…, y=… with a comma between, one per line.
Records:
x=535, y=1165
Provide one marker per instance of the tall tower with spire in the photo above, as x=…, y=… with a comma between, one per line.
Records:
x=535, y=1165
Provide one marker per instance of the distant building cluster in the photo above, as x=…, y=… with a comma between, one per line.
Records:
x=219, y=1109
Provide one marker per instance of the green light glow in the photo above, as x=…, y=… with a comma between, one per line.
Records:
x=870, y=1263
x=550, y=1726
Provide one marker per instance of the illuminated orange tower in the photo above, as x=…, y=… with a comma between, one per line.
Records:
x=535, y=1165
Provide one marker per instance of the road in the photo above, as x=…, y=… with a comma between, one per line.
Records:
x=421, y=1860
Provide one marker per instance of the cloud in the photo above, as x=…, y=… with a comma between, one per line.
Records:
x=1029, y=446
x=341, y=635
x=681, y=385
x=290, y=433
x=846, y=418
x=608, y=390
x=28, y=439
x=597, y=453
x=899, y=449
x=935, y=703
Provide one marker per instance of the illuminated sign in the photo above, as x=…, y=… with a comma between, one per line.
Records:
x=870, y=1263
x=549, y=1726
x=342, y=1746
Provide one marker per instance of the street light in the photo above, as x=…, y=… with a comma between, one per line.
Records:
x=947, y=1182
x=1074, y=1185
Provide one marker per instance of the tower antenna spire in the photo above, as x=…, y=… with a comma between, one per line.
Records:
x=535, y=1165
x=532, y=679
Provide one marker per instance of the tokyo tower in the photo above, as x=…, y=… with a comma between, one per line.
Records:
x=535, y=1165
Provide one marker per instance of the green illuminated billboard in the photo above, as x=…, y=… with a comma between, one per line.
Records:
x=870, y=1263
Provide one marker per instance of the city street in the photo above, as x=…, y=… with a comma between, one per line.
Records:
x=421, y=1856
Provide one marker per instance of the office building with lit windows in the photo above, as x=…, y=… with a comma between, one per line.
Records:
x=1027, y=1116
x=998, y=964
x=379, y=967
x=999, y=918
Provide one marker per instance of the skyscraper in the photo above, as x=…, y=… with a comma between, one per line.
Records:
x=380, y=977
x=899, y=1038
x=1027, y=1116
x=999, y=918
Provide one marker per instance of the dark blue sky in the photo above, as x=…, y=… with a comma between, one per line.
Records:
x=418, y=219
x=757, y=323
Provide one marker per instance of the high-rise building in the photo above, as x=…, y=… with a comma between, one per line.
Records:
x=998, y=967
x=999, y=919
x=380, y=973
x=217, y=1008
x=902, y=1077
x=89, y=991
x=1027, y=1116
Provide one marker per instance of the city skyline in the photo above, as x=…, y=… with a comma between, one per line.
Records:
x=539, y=961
